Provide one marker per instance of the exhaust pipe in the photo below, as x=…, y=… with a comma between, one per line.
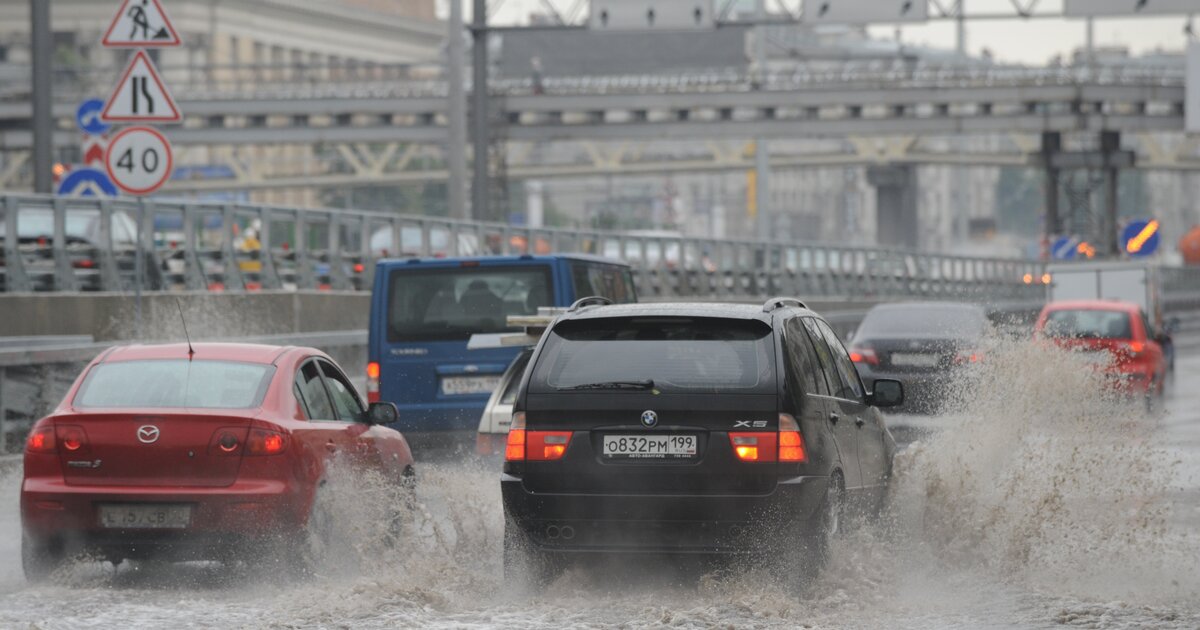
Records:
x=567, y=532
x=552, y=532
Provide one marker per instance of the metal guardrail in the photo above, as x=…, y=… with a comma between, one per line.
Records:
x=113, y=245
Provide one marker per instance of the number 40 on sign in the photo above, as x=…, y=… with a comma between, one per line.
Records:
x=139, y=160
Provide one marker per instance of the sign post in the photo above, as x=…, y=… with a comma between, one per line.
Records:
x=138, y=160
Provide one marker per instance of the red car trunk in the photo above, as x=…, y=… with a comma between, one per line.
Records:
x=171, y=448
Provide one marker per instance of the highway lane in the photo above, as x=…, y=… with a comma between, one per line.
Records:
x=1092, y=523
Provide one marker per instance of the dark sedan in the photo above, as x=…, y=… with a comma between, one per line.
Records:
x=924, y=345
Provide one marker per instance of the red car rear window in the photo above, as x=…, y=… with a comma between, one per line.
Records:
x=176, y=383
x=1088, y=324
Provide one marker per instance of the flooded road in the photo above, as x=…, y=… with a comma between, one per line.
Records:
x=1042, y=505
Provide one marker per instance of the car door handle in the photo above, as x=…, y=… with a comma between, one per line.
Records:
x=330, y=446
x=833, y=417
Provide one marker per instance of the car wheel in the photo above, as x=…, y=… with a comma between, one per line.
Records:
x=826, y=526
x=525, y=566
x=38, y=559
x=403, y=508
x=311, y=549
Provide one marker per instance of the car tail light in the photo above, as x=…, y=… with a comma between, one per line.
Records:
x=85, y=263
x=71, y=438
x=791, y=442
x=864, y=354
x=964, y=357
x=546, y=446
x=41, y=441
x=264, y=442
x=514, y=448
x=373, y=381
x=1136, y=348
x=754, y=447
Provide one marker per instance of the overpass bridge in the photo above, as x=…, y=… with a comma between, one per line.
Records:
x=878, y=114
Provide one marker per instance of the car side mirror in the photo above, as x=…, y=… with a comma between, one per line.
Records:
x=383, y=413
x=886, y=393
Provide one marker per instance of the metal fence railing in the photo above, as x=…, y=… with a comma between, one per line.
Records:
x=89, y=244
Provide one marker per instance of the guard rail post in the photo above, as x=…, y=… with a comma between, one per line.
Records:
x=64, y=272
x=15, y=279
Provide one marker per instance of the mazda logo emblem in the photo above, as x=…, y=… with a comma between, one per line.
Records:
x=147, y=434
x=649, y=418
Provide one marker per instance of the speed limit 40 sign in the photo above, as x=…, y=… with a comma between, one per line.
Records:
x=139, y=160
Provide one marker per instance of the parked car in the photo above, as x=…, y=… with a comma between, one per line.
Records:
x=690, y=429
x=214, y=452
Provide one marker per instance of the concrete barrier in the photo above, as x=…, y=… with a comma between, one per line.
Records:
x=113, y=316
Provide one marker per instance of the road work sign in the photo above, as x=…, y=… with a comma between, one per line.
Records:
x=140, y=24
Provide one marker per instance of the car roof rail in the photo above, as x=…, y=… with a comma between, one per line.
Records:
x=780, y=302
x=592, y=300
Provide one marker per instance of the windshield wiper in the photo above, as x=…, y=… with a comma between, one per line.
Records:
x=646, y=384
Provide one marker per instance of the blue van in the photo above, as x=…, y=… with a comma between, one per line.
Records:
x=424, y=310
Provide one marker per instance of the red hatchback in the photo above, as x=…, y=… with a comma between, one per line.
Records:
x=213, y=455
x=1121, y=329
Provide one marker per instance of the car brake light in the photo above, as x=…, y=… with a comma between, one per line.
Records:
x=373, y=381
x=864, y=354
x=791, y=442
x=1136, y=347
x=264, y=442
x=41, y=440
x=514, y=447
x=71, y=438
x=754, y=447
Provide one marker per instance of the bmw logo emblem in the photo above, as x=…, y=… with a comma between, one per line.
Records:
x=649, y=418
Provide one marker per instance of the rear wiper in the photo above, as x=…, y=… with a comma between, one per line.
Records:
x=646, y=384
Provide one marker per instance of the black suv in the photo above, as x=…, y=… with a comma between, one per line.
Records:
x=690, y=429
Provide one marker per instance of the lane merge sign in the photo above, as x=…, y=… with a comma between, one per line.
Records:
x=1141, y=238
x=140, y=24
x=141, y=96
x=87, y=182
x=139, y=160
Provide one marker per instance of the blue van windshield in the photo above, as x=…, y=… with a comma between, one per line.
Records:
x=454, y=303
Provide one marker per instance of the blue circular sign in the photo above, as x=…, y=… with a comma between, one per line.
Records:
x=87, y=182
x=1141, y=238
x=88, y=117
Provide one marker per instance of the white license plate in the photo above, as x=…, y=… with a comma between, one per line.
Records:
x=458, y=385
x=914, y=359
x=649, y=446
x=145, y=516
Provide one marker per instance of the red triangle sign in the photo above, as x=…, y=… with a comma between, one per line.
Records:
x=140, y=23
x=140, y=95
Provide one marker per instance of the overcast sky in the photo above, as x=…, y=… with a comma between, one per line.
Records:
x=1022, y=41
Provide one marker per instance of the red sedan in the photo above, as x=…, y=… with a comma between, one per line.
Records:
x=156, y=451
x=1138, y=364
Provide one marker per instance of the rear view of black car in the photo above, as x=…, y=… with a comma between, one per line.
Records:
x=689, y=429
x=924, y=345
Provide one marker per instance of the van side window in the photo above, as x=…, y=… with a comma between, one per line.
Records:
x=612, y=282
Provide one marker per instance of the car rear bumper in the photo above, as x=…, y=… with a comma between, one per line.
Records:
x=55, y=513
x=664, y=524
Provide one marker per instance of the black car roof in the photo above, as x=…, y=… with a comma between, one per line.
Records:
x=675, y=309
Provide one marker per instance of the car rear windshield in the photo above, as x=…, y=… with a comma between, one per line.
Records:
x=175, y=383
x=1088, y=324
x=455, y=303
x=675, y=354
x=952, y=321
